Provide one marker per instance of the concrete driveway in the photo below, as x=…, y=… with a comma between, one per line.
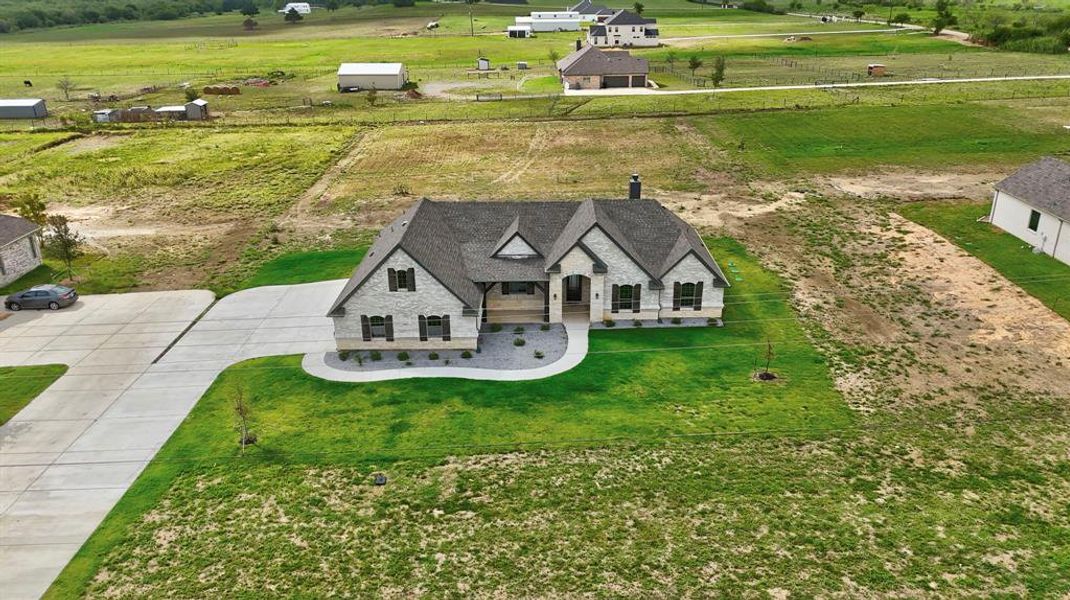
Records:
x=67, y=458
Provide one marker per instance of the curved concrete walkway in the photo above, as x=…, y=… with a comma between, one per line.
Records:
x=315, y=364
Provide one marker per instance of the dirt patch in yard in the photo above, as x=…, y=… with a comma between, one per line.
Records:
x=908, y=185
x=91, y=143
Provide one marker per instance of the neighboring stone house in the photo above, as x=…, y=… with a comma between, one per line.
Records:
x=591, y=68
x=20, y=248
x=442, y=269
x=624, y=30
x=1033, y=205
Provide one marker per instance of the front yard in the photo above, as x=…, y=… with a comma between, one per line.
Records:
x=638, y=386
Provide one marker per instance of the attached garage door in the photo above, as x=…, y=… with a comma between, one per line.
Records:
x=616, y=81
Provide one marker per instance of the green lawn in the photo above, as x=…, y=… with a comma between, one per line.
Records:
x=306, y=267
x=861, y=138
x=646, y=386
x=19, y=385
x=94, y=274
x=1038, y=274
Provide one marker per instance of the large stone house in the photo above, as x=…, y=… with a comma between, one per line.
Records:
x=441, y=270
x=624, y=30
x=1033, y=204
x=20, y=248
x=591, y=68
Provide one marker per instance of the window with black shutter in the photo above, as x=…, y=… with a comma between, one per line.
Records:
x=377, y=326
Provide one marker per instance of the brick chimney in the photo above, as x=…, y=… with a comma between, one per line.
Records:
x=635, y=187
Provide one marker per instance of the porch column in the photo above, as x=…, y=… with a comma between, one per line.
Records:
x=597, y=296
x=555, y=291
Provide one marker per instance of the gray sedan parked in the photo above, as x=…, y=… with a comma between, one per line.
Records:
x=50, y=296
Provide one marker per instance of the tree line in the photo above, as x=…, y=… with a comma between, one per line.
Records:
x=40, y=14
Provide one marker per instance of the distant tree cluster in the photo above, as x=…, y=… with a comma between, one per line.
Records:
x=18, y=15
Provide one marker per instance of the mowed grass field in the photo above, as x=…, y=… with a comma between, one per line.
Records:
x=858, y=138
x=645, y=386
x=179, y=174
x=554, y=159
x=20, y=385
x=1038, y=274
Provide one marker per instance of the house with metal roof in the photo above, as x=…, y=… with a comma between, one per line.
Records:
x=591, y=68
x=23, y=108
x=624, y=29
x=442, y=270
x=20, y=247
x=371, y=76
x=1033, y=204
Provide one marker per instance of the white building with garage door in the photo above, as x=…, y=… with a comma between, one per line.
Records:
x=1033, y=205
x=371, y=76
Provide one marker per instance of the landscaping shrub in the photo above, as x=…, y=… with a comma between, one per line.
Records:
x=376, y=355
x=518, y=329
x=676, y=320
x=343, y=355
x=466, y=354
x=609, y=323
x=433, y=356
x=544, y=327
x=519, y=342
x=539, y=354
x=637, y=323
x=403, y=356
x=495, y=327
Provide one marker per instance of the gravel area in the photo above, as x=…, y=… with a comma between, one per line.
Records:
x=496, y=351
x=624, y=323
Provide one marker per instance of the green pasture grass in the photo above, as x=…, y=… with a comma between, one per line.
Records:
x=1043, y=277
x=183, y=174
x=20, y=385
x=643, y=385
x=861, y=138
x=93, y=274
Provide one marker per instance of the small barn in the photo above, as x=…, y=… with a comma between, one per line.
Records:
x=197, y=110
x=23, y=108
x=483, y=63
x=371, y=76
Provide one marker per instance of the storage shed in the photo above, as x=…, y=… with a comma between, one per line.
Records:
x=23, y=108
x=371, y=76
x=519, y=31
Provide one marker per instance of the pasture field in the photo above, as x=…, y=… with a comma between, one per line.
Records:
x=858, y=138
x=19, y=385
x=1042, y=276
x=181, y=175
x=543, y=160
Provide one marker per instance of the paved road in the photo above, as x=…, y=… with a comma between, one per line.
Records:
x=813, y=86
x=67, y=458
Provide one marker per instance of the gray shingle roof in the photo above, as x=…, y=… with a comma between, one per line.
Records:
x=590, y=60
x=586, y=7
x=624, y=17
x=598, y=30
x=456, y=241
x=14, y=228
x=1045, y=184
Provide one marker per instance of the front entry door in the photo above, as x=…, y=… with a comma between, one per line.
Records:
x=573, y=289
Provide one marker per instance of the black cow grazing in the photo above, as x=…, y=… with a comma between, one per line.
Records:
x=27, y=83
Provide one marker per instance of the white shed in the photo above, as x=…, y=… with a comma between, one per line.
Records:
x=518, y=31
x=1033, y=205
x=302, y=8
x=371, y=76
x=23, y=108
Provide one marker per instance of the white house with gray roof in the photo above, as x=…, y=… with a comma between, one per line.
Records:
x=20, y=248
x=624, y=29
x=1033, y=204
x=441, y=270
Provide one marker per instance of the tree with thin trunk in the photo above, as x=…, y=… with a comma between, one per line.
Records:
x=243, y=413
x=638, y=7
x=693, y=63
x=63, y=241
x=66, y=86
x=554, y=55
x=670, y=57
x=250, y=9
x=718, y=71
x=32, y=208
